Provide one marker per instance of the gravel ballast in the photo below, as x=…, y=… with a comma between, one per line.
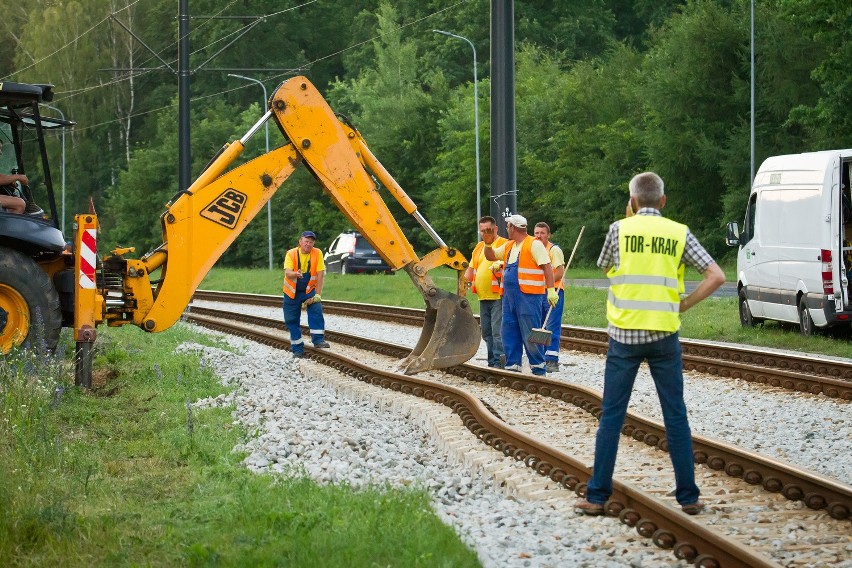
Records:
x=304, y=426
x=304, y=423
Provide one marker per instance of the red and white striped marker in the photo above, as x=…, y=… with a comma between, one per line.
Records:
x=88, y=258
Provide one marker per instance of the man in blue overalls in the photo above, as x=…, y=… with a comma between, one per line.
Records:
x=304, y=273
x=527, y=278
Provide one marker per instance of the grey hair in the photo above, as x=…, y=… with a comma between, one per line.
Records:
x=648, y=189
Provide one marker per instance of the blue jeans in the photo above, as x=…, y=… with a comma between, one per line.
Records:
x=490, y=320
x=622, y=364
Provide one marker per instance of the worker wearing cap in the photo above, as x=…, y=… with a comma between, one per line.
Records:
x=643, y=256
x=484, y=277
x=554, y=322
x=527, y=279
x=304, y=273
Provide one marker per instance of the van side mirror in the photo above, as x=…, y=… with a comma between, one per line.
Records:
x=733, y=237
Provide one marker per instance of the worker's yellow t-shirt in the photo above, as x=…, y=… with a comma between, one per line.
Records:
x=484, y=277
x=303, y=262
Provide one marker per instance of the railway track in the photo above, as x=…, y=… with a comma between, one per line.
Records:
x=801, y=373
x=762, y=498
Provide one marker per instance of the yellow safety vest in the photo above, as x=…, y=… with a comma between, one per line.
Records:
x=560, y=284
x=290, y=283
x=644, y=292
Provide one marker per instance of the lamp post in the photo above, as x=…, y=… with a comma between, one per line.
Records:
x=476, y=126
x=751, y=129
x=266, y=127
x=62, y=116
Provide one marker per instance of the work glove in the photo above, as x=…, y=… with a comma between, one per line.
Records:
x=497, y=266
x=552, y=296
x=314, y=300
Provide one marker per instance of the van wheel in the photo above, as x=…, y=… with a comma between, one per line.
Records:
x=806, y=323
x=746, y=319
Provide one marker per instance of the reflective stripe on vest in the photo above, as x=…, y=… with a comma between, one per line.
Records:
x=290, y=284
x=530, y=275
x=558, y=284
x=495, y=281
x=644, y=291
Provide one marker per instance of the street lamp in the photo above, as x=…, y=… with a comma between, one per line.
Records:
x=266, y=127
x=476, y=126
x=751, y=129
x=62, y=116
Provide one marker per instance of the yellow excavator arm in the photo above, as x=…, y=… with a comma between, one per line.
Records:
x=201, y=223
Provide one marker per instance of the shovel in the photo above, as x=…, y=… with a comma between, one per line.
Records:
x=541, y=335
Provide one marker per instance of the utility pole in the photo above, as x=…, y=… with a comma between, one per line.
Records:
x=504, y=185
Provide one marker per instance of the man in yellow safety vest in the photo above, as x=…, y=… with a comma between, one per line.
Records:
x=643, y=256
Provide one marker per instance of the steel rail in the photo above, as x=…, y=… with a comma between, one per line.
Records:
x=801, y=373
x=665, y=525
x=794, y=483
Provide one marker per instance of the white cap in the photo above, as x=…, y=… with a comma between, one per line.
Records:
x=518, y=221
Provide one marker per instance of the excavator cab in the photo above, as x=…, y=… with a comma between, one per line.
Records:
x=31, y=244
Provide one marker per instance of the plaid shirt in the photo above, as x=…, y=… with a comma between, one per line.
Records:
x=694, y=255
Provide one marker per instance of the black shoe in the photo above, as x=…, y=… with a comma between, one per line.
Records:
x=322, y=344
x=551, y=366
x=298, y=355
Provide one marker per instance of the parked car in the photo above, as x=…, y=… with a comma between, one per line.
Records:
x=350, y=252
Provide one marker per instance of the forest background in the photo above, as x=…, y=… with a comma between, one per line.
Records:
x=604, y=89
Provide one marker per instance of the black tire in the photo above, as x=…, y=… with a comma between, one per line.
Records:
x=806, y=322
x=26, y=290
x=746, y=319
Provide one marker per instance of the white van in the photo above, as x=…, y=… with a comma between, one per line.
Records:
x=794, y=249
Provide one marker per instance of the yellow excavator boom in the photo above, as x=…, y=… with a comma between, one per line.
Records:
x=200, y=224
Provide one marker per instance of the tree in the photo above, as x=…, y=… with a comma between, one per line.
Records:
x=396, y=105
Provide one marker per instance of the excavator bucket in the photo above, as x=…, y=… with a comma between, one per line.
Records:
x=450, y=334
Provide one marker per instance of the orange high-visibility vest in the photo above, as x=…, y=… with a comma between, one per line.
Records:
x=495, y=279
x=290, y=284
x=530, y=275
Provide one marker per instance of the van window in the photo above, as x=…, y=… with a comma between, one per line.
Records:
x=748, y=222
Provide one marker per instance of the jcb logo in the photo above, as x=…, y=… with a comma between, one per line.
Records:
x=225, y=209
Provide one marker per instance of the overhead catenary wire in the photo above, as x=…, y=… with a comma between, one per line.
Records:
x=278, y=75
x=67, y=45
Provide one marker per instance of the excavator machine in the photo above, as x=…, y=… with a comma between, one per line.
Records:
x=82, y=290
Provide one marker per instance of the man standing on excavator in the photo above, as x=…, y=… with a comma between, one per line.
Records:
x=304, y=274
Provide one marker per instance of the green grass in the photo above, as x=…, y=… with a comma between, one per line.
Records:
x=715, y=319
x=126, y=475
